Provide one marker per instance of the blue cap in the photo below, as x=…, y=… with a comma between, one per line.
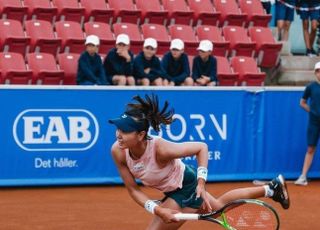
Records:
x=127, y=124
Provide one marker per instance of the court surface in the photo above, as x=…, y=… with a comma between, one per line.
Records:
x=111, y=208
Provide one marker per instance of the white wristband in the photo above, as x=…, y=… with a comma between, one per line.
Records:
x=150, y=206
x=202, y=172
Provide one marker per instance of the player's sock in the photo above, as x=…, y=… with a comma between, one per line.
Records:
x=268, y=191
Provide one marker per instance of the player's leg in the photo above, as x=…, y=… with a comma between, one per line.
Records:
x=276, y=189
x=235, y=194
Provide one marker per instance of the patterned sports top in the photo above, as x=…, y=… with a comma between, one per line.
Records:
x=165, y=179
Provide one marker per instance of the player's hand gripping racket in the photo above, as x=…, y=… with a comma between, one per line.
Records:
x=240, y=214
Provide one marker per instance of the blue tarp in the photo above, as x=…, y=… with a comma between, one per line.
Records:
x=55, y=136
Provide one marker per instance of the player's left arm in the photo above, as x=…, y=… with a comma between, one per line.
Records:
x=167, y=151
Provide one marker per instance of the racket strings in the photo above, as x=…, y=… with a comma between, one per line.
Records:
x=251, y=216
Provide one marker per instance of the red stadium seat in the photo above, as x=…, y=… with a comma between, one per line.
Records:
x=213, y=33
x=179, y=12
x=12, y=36
x=267, y=49
x=204, y=12
x=13, y=9
x=133, y=32
x=44, y=69
x=249, y=73
x=41, y=10
x=103, y=31
x=125, y=11
x=152, y=11
x=186, y=34
x=158, y=32
x=13, y=69
x=97, y=10
x=71, y=35
x=240, y=43
x=230, y=13
x=225, y=74
x=69, y=64
x=69, y=10
x=256, y=15
x=43, y=38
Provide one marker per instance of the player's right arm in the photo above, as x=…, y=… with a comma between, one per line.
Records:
x=128, y=179
x=134, y=191
x=304, y=99
x=304, y=105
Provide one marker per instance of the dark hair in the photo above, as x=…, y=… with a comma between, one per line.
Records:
x=147, y=110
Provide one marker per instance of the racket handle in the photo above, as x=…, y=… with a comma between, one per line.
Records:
x=186, y=216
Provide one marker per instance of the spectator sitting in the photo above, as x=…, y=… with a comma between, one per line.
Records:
x=204, y=68
x=176, y=65
x=90, y=69
x=147, y=69
x=118, y=64
x=309, y=19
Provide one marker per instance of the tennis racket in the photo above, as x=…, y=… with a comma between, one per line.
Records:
x=240, y=214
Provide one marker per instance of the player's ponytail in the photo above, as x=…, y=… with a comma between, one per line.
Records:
x=147, y=110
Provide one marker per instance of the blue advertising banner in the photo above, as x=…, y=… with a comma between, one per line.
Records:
x=60, y=136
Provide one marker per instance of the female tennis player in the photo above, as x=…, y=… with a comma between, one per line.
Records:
x=156, y=162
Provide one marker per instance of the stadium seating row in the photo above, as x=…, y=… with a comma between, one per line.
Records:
x=190, y=12
x=68, y=36
x=41, y=68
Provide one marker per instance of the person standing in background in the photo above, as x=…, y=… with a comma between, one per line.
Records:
x=309, y=19
x=311, y=93
x=284, y=17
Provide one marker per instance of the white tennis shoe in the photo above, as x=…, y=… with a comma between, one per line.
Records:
x=302, y=180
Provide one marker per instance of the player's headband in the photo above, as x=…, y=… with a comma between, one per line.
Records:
x=127, y=124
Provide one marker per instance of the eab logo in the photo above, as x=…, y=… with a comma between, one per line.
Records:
x=55, y=130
